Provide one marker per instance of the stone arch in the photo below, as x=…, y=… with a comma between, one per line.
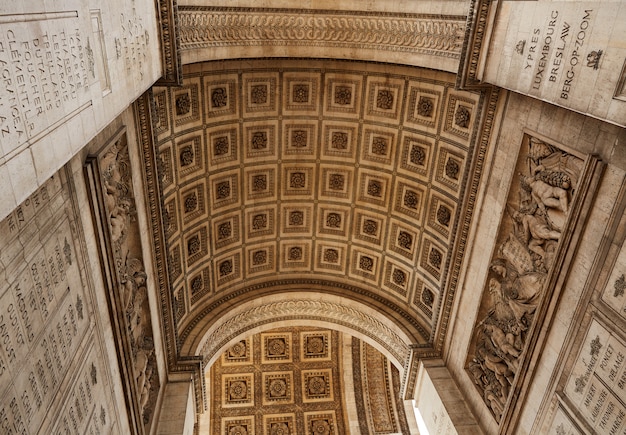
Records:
x=291, y=308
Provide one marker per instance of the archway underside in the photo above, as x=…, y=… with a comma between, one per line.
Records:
x=345, y=178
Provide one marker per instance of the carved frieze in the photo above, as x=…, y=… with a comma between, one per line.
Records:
x=527, y=248
x=109, y=176
x=208, y=27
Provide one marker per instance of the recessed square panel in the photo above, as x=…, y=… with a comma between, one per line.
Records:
x=260, y=140
x=320, y=422
x=226, y=231
x=260, y=222
x=441, y=212
x=193, y=202
x=261, y=259
x=170, y=218
x=364, y=264
x=450, y=168
x=222, y=144
x=238, y=390
x=224, y=190
x=315, y=346
x=220, y=96
x=397, y=278
x=175, y=263
x=317, y=385
x=186, y=104
x=369, y=227
x=297, y=219
x=196, y=245
x=330, y=257
x=460, y=116
x=299, y=139
x=227, y=268
x=238, y=353
x=373, y=188
x=297, y=181
x=334, y=220
x=384, y=98
x=379, y=145
x=424, y=298
x=238, y=425
x=279, y=424
x=432, y=258
x=260, y=183
x=276, y=347
x=339, y=140
x=342, y=95
x=260, y=94
x=162, y=125
x=168, y=154
x=199, y=285
x=301, y=93
x=424, y=106
x=416, y=155
x=295, y=255
x=409, y=200
x=335, y=182
x=189, y=156
x=403, y=240
x=277, y=388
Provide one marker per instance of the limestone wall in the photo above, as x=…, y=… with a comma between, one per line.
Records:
x=67, y=69
x=57, y=362
x=571, y=54
x=579, y=135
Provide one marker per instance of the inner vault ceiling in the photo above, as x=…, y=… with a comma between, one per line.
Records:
x=349, y=178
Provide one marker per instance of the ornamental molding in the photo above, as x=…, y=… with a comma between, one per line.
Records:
x=170, y=43
x=303, y=309
x=477, y=31
x=206, y=27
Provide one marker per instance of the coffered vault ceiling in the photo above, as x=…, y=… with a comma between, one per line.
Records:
x=349, y=178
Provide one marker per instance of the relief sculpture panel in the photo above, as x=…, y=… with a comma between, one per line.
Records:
x=109, y=174
x=540, y=197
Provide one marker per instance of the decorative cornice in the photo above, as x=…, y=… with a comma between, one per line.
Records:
x=170, y=44
x=302, y=309
x=473, y=44
x=490, y=99
x=205, y=27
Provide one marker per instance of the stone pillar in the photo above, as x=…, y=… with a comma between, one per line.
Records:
x=177, y=409
x=441, y=403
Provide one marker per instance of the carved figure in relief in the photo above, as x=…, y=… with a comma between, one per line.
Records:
x=505, y=342
x=545, y=195
x=534, y=230
x=125, y=242
x=525, y=252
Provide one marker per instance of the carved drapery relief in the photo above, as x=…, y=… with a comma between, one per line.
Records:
x=221, y=27
x=129, y=294
x=526, y=247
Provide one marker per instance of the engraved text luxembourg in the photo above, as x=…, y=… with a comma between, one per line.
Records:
x=555, y=52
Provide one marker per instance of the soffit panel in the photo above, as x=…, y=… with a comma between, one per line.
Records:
x=432, y=39
x=284, y=171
